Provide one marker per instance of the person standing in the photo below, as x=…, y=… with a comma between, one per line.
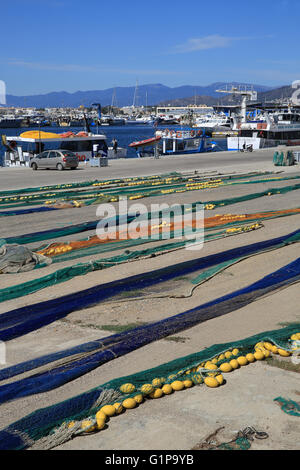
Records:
x=115, y=145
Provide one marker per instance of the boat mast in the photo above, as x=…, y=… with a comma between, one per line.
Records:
x=113, y=101
x=135, y=95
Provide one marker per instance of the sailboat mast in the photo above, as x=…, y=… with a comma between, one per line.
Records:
x=135, y=95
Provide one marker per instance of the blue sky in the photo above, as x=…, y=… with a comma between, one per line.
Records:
x=94, y=44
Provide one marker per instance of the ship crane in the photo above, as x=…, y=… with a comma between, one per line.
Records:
x=247, y=94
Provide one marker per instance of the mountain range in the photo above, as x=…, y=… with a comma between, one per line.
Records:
x=262, y=97
x=151, y=95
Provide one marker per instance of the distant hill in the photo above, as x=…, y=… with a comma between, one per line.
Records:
x=262, y=96
x=123, y=96
x=275, y=94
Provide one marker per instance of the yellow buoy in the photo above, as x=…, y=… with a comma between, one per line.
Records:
x=259, y=355
x=177, y=385
x=156, y=383
x=226, y=367
x=167, y=389
x=235, y=351
x=109, y=410
x=188, y=383
x=242, y=361
x=157, y=393
x=250, y=357
x=284, y=353
x=228, y=354
x=268, y=346
x=129, y=403
x=234, y=364
x=100, y=415
x=100, y=424
x=211, y=366
x=146, y=389
x=139, y=398
x=274, y=349
x=119, y=408
x=211, y=382
x=220, y=379
x=87, y=425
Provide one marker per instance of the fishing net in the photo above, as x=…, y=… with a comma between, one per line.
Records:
x=118, y=181
x=288, y=406
x=166, y=228
x=19, y=259
x=242, y=441
x=283, y=159
x=51, y=426
x=80, y=269
x=74, y=362
x=102, y=198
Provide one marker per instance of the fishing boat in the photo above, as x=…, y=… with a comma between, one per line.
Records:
x=10, y=121
x=145, y=143
x=269, y=130
x=171, y=142
x=274, y=129
x=21, y=149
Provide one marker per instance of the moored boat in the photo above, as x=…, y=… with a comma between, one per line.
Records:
x=171, y=142
x=21, y=149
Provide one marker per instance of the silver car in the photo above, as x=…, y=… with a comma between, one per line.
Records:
x=58, y=159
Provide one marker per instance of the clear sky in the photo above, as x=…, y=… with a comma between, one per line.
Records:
x=55, y=45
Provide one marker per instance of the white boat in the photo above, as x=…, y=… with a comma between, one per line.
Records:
x=212, y=121
x=111, y=120
x=142, y=120
x=270, y=130
x=274, y=129
x=20, y=149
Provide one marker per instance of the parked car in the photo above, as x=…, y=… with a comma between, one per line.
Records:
x=58, y=159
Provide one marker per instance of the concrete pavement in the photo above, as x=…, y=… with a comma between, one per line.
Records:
x=218, y=162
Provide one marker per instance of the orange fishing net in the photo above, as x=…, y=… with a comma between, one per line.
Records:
x=148, y=230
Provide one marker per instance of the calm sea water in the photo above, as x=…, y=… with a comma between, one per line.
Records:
x=124, y=135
